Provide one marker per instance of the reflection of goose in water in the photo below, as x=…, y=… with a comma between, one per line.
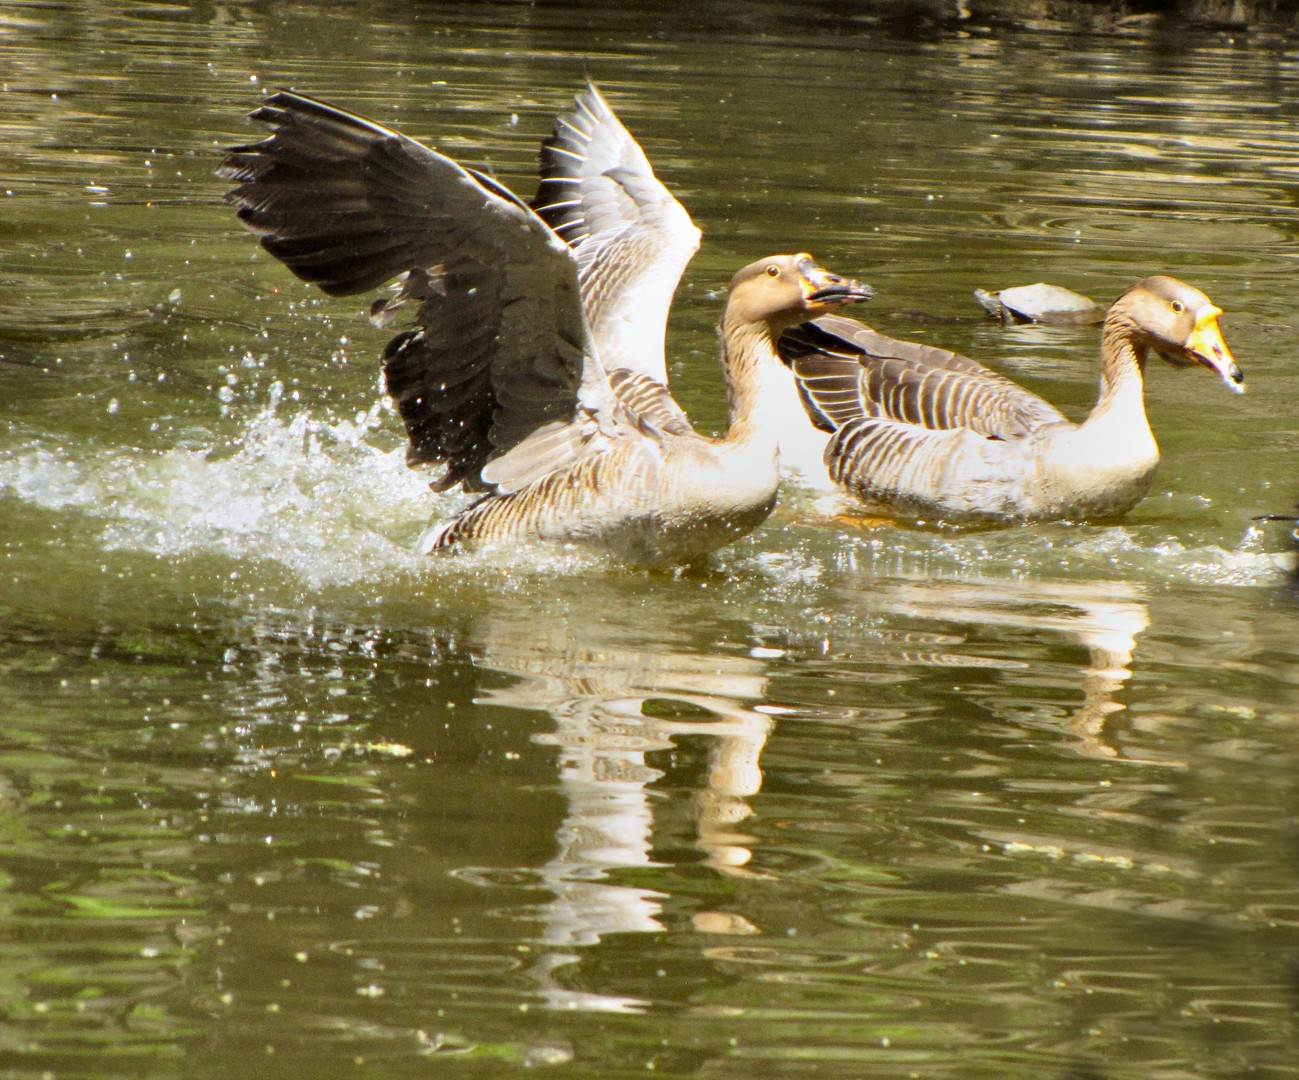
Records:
x=1104, y=617
x=613, y=705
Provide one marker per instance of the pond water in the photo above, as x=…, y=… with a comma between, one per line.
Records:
x=280, y=797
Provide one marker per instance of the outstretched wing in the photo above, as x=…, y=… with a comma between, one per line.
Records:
x=500, y=347
x=847, y=371
x=632, y=239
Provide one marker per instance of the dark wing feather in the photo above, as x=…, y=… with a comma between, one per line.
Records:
x=632, y=239
x=846, y=370
x=501, y=345
x=843, y=332
x=440, y=378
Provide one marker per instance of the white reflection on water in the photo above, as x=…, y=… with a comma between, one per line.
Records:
x=614, y=704
x=604, y=697
x=1104, y=617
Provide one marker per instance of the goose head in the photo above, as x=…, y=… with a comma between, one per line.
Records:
x=782, y=291
x=1180, y=323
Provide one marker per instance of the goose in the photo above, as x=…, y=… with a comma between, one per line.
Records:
x=535, y=370
x=919, y=432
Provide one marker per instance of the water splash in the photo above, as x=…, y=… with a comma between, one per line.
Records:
x=331, y=500
x=322, y=496
x=1155, y=552
x=328, y=498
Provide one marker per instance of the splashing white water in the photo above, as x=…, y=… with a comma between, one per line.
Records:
x=333, y=501
x=318, y=495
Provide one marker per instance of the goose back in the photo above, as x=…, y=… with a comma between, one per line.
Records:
x=846, y=371
x=648, y=501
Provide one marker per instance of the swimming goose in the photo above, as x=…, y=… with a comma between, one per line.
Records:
x=504, y=377
x=920, y=432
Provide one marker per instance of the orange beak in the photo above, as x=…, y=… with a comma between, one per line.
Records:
x=1206, y=346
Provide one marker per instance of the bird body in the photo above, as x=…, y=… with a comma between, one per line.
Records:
x=666, y=493
x=920, y=432
x=632, y=502
x=535, y=371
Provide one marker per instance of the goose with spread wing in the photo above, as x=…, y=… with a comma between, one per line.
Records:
x=535, y=370
x=919, y=432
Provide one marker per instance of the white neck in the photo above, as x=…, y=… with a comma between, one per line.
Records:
x=752, y=384
x=1112, y=455
x=1121, y=405
x=765, y=403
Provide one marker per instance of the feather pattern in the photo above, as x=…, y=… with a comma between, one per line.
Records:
x=923, y=432
x=506, y=375
x=631, y=237
x=650, y=402
x=501, y=345
x=846, y=369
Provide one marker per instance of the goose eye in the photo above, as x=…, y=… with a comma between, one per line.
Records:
x=1178, y=307
x=773, y=270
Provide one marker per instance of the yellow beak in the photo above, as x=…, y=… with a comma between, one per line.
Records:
x=1206, y=344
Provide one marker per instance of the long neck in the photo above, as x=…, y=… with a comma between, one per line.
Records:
x=758, y=385
x=1123, y=364
x=1105, y=465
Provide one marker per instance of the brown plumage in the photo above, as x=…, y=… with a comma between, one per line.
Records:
x=925, y=433
x=660, y=492
x=535, y=369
